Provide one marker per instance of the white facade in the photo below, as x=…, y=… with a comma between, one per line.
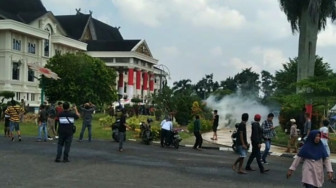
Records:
x=34, y=43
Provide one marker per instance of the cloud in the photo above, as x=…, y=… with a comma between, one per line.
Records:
x=202, y=14
x=199, y=13
x=147, y=12
x=216, y=51
x=271, y=59
x=170, y=51
x=327, y=37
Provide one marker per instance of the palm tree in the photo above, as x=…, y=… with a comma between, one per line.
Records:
x=308, y=17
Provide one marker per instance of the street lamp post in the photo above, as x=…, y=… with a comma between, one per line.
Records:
x=162, y=67
x=204, y=91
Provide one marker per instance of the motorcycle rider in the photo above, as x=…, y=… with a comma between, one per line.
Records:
x=166, y=131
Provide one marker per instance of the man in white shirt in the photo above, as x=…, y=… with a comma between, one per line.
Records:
x=166, y=128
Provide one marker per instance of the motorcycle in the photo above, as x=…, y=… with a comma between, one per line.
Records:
x=234, y=136
x=174, y=139
x=115, y=130
x=146, y=133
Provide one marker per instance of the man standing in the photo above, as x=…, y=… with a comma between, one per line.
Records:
x=215, y=125
x=268, y=134
x=66, y=123
x=42, y=124
x=307, y=126
x=166, y=130
x=87, y=111
x=14, y=111
x=293, y=135
x=242, y=144
x=199, y=139
x=51, y=121
x=256, y=139
x=122, y=130
x=325, y=135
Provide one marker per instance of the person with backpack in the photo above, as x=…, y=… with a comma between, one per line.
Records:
x=242, y=145
x=66, y=130
x=256, y=140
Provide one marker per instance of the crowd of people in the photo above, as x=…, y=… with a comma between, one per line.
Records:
x=314, y=154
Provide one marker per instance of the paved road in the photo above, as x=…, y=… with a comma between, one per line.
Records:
x=99, y=164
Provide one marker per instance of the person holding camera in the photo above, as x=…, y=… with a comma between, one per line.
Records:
x=66, y=131
x=87, y=110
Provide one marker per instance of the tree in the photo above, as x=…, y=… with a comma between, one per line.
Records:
x=83, y=79
x=285, y=80
x=308, y=17
x=182, y=85
x=248, y=82
x=267, y=84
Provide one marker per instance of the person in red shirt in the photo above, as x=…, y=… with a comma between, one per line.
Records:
x=59, y=109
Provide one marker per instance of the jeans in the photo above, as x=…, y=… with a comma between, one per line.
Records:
x=84, y=125
x=267, y=148
x=63, y=140
x=255, y=154
x=43, y=127
x=199, y=140
x=14, y=126
x=121, y=139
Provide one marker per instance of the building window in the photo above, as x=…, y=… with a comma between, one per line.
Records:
x=31, y=48
x=18, y=96
x=32, y=97
x=46, y=48
x=30, y=76
x=16, y=71
x=122, y=60
x=16, y=44
x=58, y=52
x=27, y=96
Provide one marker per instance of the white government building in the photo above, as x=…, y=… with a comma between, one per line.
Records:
x=31, y=34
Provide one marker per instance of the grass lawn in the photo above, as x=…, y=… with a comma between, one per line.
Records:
x=282, y=139
x=99, y=131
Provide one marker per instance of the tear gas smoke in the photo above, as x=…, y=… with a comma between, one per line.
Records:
x=231, y=107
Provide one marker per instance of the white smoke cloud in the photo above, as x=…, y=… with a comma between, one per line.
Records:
x=231, y=108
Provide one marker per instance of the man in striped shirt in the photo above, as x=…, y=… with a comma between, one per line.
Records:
x=14, y=111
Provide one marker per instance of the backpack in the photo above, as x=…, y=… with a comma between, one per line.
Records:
x=52, y=112
x=235, y=132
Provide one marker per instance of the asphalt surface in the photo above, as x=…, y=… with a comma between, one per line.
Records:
x=100, y=164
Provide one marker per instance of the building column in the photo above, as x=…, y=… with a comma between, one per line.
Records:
x=138, y=82
x=151, y=82
x=121, y=83
x=145, y=83
x=130, y=83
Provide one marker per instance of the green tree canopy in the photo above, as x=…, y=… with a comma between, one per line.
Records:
x=83, y=79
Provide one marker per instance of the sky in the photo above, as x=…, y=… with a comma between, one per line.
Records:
x=194, y=38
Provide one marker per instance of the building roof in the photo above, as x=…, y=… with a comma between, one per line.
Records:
x=122, y=45
x=24, y=11
x=76, y=25
x=73, y=25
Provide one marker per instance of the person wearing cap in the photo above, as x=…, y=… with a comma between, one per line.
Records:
x=325, y=135
x=293, y=135
x=256, y=140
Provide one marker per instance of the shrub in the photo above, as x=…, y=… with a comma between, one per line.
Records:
x=206, y=126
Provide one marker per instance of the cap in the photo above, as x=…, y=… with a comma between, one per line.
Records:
x=257, y=117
